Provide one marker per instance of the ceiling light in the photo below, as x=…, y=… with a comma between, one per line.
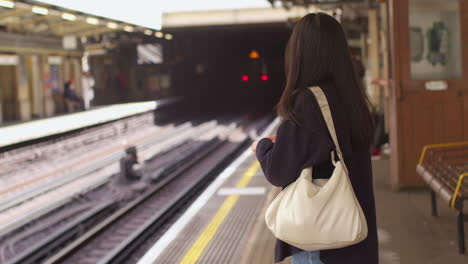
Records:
x=168, y=36
x=112, y=25
x=92, y=20
x=148, y=32
x=128, y=28
x=7, y=4
x=159, y=34
x=40, y=10
x=68, y=16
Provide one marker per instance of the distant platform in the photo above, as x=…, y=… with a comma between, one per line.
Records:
x=30, y=130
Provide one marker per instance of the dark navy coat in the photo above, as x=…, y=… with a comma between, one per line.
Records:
x=309, y=144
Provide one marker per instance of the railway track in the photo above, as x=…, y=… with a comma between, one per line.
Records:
x=96, y=244
x=84, y=178
x=35, y=165
x=31, y=155
x=40, y=236
x=115, y=239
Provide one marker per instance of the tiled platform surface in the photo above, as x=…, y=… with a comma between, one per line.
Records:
x=408, y=234
x=225, y=228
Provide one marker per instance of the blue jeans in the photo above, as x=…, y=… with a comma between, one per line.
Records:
x=306, y=257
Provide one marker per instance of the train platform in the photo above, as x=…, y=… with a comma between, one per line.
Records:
x=45, y=127
x=226, y=223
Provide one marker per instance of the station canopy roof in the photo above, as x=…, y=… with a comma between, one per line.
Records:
x=148, y=13
x=83, y=18
x=43, y=19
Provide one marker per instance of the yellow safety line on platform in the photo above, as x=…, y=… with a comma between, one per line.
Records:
x=455, y=194
x=443, y=145
x=248, y=175
x=194, y=253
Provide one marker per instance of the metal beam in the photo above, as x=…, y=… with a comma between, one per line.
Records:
x=232, y=17
x=64, y=24
x=13, y=13
x=26, y=50
x=38, y=28
x=59, y=28
x=37, y=19
x=77, y=30
x=97, y=31
x=22, y=40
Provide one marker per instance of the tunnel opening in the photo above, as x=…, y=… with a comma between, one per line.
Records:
x=229, y=69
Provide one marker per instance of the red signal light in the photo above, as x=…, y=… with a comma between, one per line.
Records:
x=264, y=77
x=245, y=78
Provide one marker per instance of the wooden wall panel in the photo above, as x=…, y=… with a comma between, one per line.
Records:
x=453, y=120
x=464, y=39
x=426, y=120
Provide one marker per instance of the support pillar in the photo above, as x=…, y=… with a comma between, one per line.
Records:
x=49, y=106
x=374, y=90
x=36, y=89
x=22, y=99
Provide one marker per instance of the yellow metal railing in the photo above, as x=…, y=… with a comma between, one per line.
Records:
x=443, y=145
x=460, y=178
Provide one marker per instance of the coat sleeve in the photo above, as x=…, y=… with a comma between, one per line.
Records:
x=296, y=147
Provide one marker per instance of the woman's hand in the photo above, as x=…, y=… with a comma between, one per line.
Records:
x=255, y=143
x=254, y=146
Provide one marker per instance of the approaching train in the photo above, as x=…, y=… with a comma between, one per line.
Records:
x=256, y=70
x=261, y=79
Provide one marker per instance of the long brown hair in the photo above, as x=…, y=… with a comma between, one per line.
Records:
x=317, y=50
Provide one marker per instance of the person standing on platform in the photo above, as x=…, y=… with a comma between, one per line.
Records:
x=88, y=83
x=317, y=54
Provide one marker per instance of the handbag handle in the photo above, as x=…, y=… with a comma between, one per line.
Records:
x=326, y=113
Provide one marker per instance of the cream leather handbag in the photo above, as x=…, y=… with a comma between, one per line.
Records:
x=317, y=214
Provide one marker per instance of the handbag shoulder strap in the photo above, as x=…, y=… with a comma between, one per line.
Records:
x=326, y=113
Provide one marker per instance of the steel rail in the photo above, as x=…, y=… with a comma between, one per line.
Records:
x=106, y=224
x=66, y=233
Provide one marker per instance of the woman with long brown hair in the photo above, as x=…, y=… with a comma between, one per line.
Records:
x=317, y=54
